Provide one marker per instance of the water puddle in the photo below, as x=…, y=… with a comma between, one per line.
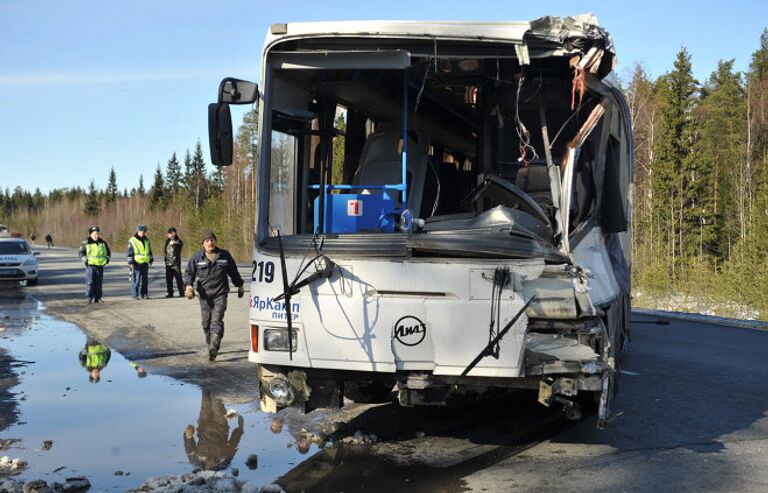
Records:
x=72, y=406
x=77, y=408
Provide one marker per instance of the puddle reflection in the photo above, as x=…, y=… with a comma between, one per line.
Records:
x=101, y=416
x=210, y=446
x=94, y=358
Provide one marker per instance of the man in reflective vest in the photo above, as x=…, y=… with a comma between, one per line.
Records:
x=210, y=270
x=94, y=253
x=139, y=260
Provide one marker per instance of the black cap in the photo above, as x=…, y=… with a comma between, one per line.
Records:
x=141, y=227
x=207, y=234
x=171, y=229
x=93, y=228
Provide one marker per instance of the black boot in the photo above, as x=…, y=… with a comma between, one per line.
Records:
x=213, y=347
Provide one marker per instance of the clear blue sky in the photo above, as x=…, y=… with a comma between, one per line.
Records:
x=86, y=85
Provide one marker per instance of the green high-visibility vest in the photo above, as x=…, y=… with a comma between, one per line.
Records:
x=96, y=356
x=140, y=250
x=96, y=253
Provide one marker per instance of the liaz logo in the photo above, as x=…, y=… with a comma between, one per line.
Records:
x=409, y=330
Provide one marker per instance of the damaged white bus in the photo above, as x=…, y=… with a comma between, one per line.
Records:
x=443, y=208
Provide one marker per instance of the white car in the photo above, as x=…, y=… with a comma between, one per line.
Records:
x=17, y=261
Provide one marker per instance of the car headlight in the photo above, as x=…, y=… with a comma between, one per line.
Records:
x=277, y=340
x=30, y=262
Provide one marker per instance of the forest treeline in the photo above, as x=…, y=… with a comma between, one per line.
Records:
x=184, y=193
x=701, y=186
x=700, y=215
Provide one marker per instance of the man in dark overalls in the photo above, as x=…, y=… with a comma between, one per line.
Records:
x=210, y=267
x=173, y=246
x=94, y=252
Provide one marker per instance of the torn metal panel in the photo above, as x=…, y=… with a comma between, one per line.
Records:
x=573, y=148
x=554, y=347
x=554, y=298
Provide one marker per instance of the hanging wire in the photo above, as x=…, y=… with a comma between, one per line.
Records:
x=437, y=196
x=562, y=127
x=426, y=73
x=522, y=132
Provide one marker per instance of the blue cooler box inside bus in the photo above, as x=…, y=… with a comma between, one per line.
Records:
x=357, y=212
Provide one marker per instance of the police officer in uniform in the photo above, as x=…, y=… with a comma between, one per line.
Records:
x=210, y=267
x=139, y=260
x=94, y=253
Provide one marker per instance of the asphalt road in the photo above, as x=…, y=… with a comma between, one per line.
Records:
x=690, y=414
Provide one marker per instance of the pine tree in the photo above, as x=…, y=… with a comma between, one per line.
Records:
x=92, y=206
x=188, y=172
x=173, y=178
x=719, y=156
x=111, y=192
x=244, y=162
x=671, y=198
x=337, y=169
x=198, y=180
x=759, y=66
x=643, y=110
x=757, y=88
x=157, y=194
x=38, y=200
x=140, y=190
x=216, y=182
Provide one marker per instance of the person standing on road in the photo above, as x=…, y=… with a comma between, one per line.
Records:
x=173, y=246
x=95, y=254
x=49, y=240
x=210, y=267
x=139, y=260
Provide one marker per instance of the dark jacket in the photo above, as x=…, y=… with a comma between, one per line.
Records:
x=144, y=240
x=89, y=240
x=174, y=256
x=212, y=276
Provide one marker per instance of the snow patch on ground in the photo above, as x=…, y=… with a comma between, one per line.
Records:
x=198, y=482
x=697, y=305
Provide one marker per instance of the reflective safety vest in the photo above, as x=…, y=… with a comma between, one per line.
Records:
x=140, y=250
x=96, y=253
x=96, y=356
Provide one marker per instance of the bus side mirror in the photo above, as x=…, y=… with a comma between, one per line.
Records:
x=220, y=134
x=237, y=91
x=220, y=140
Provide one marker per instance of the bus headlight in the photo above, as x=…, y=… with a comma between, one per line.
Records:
x=277, y=340
x=280, y=389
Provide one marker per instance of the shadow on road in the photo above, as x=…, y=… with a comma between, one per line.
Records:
x=693, y=389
